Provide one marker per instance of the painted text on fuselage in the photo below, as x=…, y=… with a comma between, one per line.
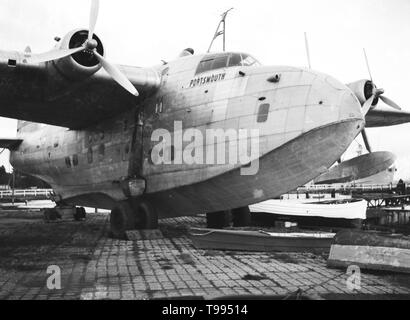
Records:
x=207, y=79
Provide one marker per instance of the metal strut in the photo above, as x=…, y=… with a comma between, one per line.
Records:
x=220, y=32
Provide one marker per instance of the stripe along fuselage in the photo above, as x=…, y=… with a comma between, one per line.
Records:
x=305, y=122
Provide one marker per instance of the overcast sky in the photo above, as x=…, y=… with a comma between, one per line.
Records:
x=141, y=33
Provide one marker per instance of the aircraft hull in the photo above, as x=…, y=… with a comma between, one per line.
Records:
x=310, y=121
x=294, y=163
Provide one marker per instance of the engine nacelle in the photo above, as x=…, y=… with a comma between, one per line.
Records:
x=363, y=90
x=82, y=64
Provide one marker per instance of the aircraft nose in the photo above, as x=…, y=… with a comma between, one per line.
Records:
x=350, y=107
x=330, y=101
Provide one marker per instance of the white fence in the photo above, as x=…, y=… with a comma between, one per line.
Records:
x=26, y=193
x=348, y=187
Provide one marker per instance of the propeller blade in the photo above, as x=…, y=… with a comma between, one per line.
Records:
x=390, y=102
x=95, y=8
x=366, y=141
x=367, y=63
x=54, y=55
x=117, y=75
x=367, y=105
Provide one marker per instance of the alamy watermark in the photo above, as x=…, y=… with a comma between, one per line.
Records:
x=354, y=279
x=54, y=280
x=213, y=147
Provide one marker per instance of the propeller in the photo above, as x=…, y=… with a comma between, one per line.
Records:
x=366, y=141
x=376, y=93
x=95, y=9
x=89, y=45
x=373, y=101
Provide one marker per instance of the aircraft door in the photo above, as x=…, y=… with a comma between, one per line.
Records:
x=136, y=154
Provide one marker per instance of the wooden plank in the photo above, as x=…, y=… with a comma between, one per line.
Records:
x=370, y=257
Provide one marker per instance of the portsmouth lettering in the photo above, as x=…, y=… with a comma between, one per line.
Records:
x=207, y=79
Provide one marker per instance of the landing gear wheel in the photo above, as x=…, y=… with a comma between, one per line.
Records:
x=79, y=214
x=122, y=219
x=241, y=217
x=147, y=216
x=218, y=220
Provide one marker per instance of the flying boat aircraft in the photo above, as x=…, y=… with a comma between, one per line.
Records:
x=86, y=127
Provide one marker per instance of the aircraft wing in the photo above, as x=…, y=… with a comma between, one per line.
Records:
x=11, y=144
x=380, y=117
x=39, y=93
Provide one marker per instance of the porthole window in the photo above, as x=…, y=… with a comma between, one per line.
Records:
x=101, y=151
x=263, y=112
x=125, y=152
x=150, y=157
x=68, y=162
x=90, y=155
x=75, y=160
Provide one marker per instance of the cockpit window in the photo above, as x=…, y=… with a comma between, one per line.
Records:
x=213, y=62
x=235, y=60
x=205, y=65
x=248, y=60
x=219, y=61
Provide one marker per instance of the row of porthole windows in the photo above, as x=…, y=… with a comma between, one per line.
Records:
x=73, y=161
x=101, y=153
x=262, y=116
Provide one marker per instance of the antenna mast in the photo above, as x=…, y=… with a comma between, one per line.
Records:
x=220, y=32
x=307, y=51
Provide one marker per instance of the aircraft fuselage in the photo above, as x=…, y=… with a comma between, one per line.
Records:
x=305, y=122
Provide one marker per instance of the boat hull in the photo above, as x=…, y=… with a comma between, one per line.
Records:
x=342, y=210
x=261, y=241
